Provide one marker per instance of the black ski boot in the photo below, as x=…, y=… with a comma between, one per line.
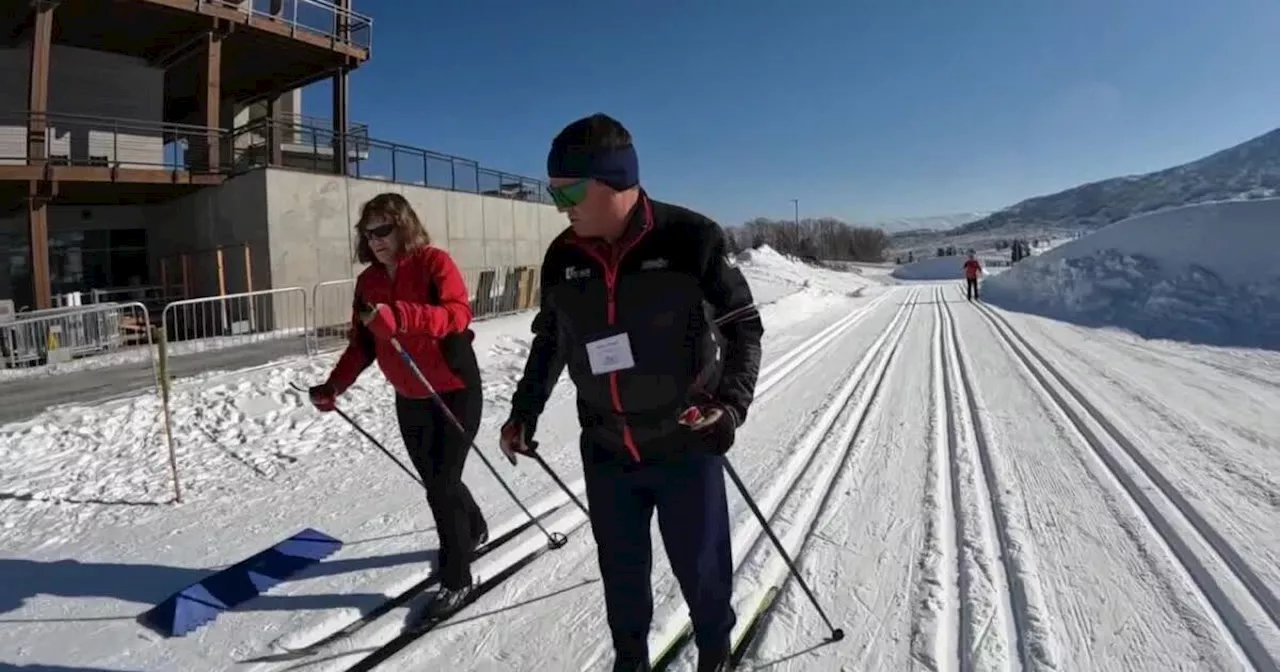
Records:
x=442, y=605
x=716, y=660
x=631, y=665
x=632, y=657
x=480, y=531
x=449, y=600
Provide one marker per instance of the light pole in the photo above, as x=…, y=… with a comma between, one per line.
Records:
x=796, y=203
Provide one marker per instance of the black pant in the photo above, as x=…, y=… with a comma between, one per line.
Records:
x=439, y=451
x=688, y=492
x=970, y=288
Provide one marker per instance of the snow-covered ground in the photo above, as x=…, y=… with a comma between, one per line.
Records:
x=963, y=487
x=1202, y=273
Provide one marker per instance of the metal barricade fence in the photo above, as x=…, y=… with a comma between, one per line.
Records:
x=78, y=338
x=331, y=303
x=271, y=317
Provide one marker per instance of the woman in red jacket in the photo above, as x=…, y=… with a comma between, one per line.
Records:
x=413, y=292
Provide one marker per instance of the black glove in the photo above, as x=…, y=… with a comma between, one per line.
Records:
x=323, y=397
x=714, y=424
x=516, y=438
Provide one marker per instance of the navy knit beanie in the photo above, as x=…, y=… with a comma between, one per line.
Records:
x=574, y=153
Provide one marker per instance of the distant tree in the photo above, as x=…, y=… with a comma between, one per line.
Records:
x=816, y=239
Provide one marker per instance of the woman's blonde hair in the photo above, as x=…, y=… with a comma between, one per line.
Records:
x=390, y=208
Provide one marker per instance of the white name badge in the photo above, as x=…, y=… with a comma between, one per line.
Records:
x=610, y=354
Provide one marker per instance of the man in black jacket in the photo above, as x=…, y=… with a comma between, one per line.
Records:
x=632, y=293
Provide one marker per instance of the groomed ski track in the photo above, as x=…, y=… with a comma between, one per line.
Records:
x=956, y=499
x=776, y=376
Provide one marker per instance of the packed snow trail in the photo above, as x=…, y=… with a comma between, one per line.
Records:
x=842, y=418
x=778, y=377
x=993, y=491
x=954, y=506
x=1085, y=580
x=1161, y=503
x=89, y=541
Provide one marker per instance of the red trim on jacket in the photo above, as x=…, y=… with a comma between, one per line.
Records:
x=611, y=265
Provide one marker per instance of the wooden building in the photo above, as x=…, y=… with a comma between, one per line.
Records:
x=106, y=102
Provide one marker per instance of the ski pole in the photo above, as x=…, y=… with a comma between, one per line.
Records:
x=837, y=634
x=533, y=452
x=367, y=435
x=554, y=540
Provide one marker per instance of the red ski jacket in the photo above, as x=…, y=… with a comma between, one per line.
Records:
x=971, y=268
x=430, y=301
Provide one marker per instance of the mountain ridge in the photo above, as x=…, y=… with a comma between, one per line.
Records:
x=1248, y=170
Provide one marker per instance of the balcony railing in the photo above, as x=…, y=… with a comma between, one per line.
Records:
x=84, y=140
x=318, y=17
x=379, y=160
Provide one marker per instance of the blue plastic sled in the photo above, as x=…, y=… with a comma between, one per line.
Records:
x=201, y=602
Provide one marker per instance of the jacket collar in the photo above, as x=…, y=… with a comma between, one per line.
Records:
x=639, y=221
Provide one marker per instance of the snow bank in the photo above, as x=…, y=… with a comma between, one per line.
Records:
x=774, y=275
x=1204, y=273
x=934, y=268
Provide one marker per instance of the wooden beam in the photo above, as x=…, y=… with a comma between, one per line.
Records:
x=209, y=95
x=194, y=46
x=276, y=131
x=341, y=108
x=38, y=231
x=38, y=85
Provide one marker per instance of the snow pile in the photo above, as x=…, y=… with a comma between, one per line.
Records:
x=1204, y=273
x=774, y=275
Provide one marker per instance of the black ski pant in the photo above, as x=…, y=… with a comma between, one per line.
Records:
x=688, y=492
x=439, y=451
x=970, y=288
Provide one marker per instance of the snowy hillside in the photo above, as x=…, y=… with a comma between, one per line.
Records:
x=1249, y=170
x=934, y=223
x=1203, y=273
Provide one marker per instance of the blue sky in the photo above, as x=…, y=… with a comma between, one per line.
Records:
x=862, y=109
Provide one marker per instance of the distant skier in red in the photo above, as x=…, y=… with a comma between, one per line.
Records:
x=972, y=269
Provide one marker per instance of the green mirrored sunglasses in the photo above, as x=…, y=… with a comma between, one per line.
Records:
x=569, y=195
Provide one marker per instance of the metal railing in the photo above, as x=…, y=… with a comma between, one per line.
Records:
x=87, y=140
x=318, y=17
x=75, y=338
x=275, y=316
x=229, y=332
x=373, y=159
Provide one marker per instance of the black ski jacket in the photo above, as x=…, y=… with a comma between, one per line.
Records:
x=663, y=285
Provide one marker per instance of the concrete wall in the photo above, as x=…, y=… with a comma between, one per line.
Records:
x=92, y=83
x=479, y=231
x=299, y=228
x=311, y=220
x=229, y=216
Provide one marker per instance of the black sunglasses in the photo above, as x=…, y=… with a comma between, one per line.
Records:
x=378, y=231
